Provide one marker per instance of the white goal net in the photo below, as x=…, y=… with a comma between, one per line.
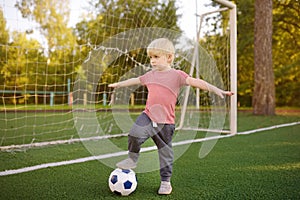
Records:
x=54, y=78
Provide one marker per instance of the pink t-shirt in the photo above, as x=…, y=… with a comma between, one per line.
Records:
x=163, y=88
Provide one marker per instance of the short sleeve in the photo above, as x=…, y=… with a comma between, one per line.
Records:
x=144, y=78
x=183, y=76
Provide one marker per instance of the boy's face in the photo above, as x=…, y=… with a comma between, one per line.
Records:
x=160, y=61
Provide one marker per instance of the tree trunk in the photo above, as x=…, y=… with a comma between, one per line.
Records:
x=264, y=87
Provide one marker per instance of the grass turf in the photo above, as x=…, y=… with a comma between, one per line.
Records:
x=264, y=165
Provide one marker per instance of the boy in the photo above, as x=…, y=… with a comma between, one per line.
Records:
x=158, y=119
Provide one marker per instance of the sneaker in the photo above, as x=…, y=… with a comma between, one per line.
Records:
x=128, y=163
x=165, y=188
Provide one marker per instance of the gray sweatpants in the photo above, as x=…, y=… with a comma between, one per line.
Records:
x=161, y=134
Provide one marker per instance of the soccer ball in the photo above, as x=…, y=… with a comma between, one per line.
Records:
x=122, y=181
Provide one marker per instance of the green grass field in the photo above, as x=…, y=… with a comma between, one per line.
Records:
x=264, y=165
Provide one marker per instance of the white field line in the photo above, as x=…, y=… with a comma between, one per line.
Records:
x=56, y=142
x=268, y=128
x=110, y=155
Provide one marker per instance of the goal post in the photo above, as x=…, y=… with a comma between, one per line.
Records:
x=233, y=68
x=232, y=62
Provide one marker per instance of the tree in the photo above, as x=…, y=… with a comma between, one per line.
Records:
x=22, y=55
x=286, y=52
x=18, y=59
x=113, y=17
x=264, y=87
x=52, y=17
x=4, y=34
x=4, y=37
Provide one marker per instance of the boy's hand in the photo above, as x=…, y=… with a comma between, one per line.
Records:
x=228, y=93
x=221, y=93
x=113, y=85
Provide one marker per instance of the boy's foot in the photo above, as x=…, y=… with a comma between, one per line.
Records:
x=128, y=163
x=165, y=188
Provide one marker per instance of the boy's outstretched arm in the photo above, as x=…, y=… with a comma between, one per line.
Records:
x=126, y=83
x=201, y=84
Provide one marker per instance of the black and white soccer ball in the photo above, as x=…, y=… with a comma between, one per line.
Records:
x=122, y=181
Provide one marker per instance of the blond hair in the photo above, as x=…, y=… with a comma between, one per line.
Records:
x=161, y=46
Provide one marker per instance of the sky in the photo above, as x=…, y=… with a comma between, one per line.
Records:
x=187, y=9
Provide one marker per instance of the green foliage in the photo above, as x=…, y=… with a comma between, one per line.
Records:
x=286, y=51
x=4, y=37
x=113, y=17
x=53, y=17
x=245, y=45
x=17, y=72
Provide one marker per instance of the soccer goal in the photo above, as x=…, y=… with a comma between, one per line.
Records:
x=54, y=81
